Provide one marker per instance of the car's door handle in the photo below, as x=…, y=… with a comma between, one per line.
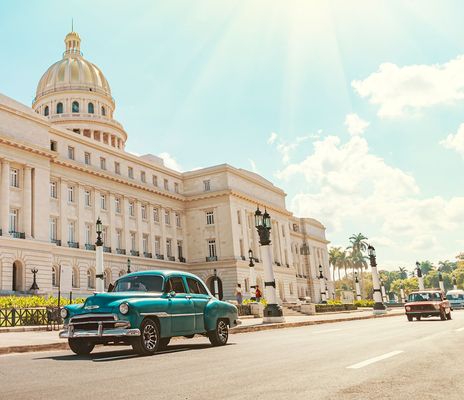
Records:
x=188, y=297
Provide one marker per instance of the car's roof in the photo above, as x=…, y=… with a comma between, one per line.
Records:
x=455, y=291
x=163, y=272
x=426, y=291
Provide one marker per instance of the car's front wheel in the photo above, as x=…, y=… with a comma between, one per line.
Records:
x=149, y=340
x=448, y=316
x=443, y=315
x=409, y=318
x=80, y=347
x=220, y=335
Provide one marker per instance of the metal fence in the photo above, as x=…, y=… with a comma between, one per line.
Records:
x=10, y=317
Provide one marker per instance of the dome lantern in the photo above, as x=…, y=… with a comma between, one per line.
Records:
x=73, y=44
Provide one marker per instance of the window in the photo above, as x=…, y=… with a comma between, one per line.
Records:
x=175, y=284
x=132, y=235
x=118, y=238
x=53, y=190
x=178, y=220
x=144, y=211
x=107, y=278
x=14, y=177
x=157, y=245
x=207, y=185
x=130, y=172
x=209, y=217
x=105, y=235
x=46, y=111
x=54, y=276
x=75, y=107
x=156, y=217
x=88, y=234
x=87, y=158
x=71, y=194
x=90, y=108
x=90, y=279
x=71, y=152
x=102, y=162
x=143, y=177
x=59, y=108
x=176, y=187
x=155, y=180
x=169, y=247
x=117, y=203
x=71, y=232
x=117, y=168
x=166, y=184
x=131, y=208
x=179, y=249
x=239, y=217
x=52, y=228
x=103, y=111
x=145, y=243
x=53, y=145
x=103, y=201
x=167, y=217
x=212, y=248
x=75, y=278
x=87, y=198
x=196, y=287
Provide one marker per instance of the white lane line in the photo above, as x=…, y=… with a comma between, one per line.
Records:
x=328, y=330
x=460, y=330
x=375, y=359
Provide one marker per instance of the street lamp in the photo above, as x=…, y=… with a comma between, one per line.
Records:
x=420, y=278
x=382, y=289
x=440, y=282
x=402, y=293
x=128, y=265
x=272, y=312
x=34, y=286
x=215, y=283
x=358, y=288
x=379, y=307
x=100, y=286
x=322, y=286
x=252, y=275
x=455, y=283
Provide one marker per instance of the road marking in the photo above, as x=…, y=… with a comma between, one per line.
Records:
x=375, y=359
x=460, y=330
x=328, y=330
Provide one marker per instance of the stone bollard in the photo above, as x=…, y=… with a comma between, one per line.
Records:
x=257, y=310
x=308, y=309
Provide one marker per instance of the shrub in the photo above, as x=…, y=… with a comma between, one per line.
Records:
x=34, y=301
x=364, y=303
x=248, y=301
x=333, y=302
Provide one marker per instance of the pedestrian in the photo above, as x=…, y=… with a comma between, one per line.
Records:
x=258, y=294
x=238, y=293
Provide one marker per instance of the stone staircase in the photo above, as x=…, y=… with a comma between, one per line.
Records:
x=290, y=309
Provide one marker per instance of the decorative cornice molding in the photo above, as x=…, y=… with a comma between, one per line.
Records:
x=27, y=147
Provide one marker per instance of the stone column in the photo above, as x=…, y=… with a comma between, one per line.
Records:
x=5, y=197
x=138, y=222
x=163, y=232
x=111, y=222
x=27, y=210
x=81, y=215
x=125, y=212
x=63, y=208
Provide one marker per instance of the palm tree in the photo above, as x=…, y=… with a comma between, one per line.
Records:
x=358, y=247
x=334, y=255
x=426, y=267
x=343, y=260
x=358, y=242
x=446, y=266
x=403, y=272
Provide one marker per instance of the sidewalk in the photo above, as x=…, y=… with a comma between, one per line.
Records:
x=33, y=340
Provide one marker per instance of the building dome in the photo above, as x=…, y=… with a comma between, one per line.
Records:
x=73, y=72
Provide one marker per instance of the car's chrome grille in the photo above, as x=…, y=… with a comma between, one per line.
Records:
x=92, y=321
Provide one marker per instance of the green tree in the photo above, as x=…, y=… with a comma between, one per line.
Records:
x=426, y=267
x=334, y=257
x=409, y=285
x=446, y=266
x=403, y=273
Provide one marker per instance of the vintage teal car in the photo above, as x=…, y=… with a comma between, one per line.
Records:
x=145, y=310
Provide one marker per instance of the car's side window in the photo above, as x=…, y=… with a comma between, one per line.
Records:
x=193, y=286
x=176, y=284
x=202, y=288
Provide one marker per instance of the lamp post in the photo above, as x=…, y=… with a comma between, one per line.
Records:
x=252, y=275
x=382, y=289
x=420, y=278
x=440, y=282
x=100, y=285
x=34, y=286
x=455, y=284
x=379, y=307
x=272, y=312
x=402, y=293
x=358, y=287
x=128, y=265
x=322, y=286
x=215, y=283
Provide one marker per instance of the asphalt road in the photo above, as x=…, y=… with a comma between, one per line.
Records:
x=387, y=358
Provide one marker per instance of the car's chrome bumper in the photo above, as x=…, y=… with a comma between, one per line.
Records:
x=115, y=332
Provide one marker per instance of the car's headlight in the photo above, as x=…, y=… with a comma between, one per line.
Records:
x=64, y=313
x=408, y=308
x=124, y=308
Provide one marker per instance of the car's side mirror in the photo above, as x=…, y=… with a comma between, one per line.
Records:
x=172, y=293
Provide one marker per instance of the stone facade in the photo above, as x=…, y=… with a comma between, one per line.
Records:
x=63, y=165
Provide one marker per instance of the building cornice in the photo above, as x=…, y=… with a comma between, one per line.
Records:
x=27, y=147
x=32, y=115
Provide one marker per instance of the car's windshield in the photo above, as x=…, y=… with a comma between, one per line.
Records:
x=426, y=296
x=140, y=283
x=455, y=296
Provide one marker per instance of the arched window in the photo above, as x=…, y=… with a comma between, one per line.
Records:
x=90, y=279
x=54, y=276
x=90, y=108
x=75, y=278
x=59, y=108
x=107, y=278
x=122, y=273
x=290, y=288
x=103, y=111
x=75, y=107
x=46, y=111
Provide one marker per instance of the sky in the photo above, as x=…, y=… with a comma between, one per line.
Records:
x=354, y=108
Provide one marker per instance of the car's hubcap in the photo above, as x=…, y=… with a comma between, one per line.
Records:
x=150, y=337
x=222, y=331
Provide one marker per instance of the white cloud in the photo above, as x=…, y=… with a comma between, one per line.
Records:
x=355, y=124
x=170, y=161
x=399, y=90
x=272, y=138
x=253, y=165
x=456, y=141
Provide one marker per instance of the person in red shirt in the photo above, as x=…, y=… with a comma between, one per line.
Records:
x=258, y=294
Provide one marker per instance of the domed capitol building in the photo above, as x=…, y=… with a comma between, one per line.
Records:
x=64, y=164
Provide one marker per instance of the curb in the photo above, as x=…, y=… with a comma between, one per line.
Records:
x=34, y=347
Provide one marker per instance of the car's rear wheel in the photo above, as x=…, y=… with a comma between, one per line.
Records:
x=80, y=347
x=409, y=318
x=448, y=316
x=442, y=315
x=418, y=318
x=220, y=335
x=149, y=340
